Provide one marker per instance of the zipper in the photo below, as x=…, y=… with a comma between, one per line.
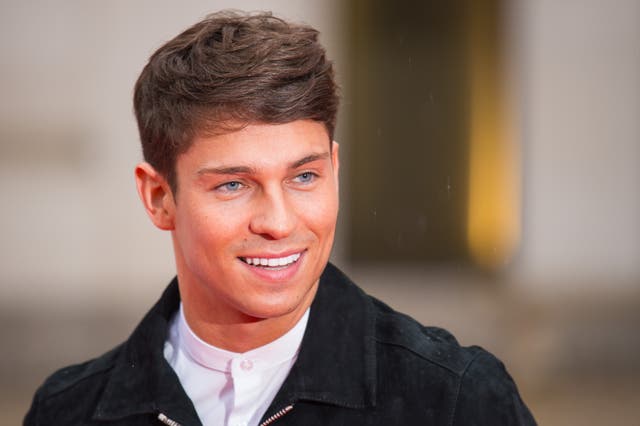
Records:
x=167, y=421
x=277, y=415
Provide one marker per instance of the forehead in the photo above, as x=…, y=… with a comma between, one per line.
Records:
x=263, y=145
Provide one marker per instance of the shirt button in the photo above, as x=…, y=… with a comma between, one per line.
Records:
x=246, y=365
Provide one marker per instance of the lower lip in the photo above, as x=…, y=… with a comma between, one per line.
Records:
x=281, y=274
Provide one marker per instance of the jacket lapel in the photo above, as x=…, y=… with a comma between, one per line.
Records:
x=142, y=382
x=337, y=360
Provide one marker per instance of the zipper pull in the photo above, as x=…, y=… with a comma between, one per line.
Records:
x=167, y=421
x=277, y=415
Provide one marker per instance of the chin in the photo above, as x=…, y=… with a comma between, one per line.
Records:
x=281, y=306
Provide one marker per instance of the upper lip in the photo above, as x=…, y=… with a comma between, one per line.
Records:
x=274, y=256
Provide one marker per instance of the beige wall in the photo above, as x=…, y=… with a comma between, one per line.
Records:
x=579, y=78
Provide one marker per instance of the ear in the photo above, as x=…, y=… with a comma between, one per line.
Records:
x=156, y=196
x=335, y=161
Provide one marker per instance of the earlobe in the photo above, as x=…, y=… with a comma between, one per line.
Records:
x=156, y=196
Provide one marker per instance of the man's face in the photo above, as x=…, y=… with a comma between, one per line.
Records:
x=266, y=194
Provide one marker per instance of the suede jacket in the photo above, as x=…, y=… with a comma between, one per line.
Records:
x=360, y=363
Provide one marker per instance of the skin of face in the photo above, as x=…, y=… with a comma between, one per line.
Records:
x=262, y=192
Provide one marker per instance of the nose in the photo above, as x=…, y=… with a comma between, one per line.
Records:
x=273, y=217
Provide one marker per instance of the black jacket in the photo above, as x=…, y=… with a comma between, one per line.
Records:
x=360, y=363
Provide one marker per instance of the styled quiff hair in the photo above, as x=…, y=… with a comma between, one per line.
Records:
x=227, y=71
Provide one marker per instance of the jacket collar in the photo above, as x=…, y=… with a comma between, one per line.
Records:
x=142, y=381
x=337, y=360
x=336, y=363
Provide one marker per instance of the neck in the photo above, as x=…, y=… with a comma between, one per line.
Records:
x=241, y=337
x=233, y=330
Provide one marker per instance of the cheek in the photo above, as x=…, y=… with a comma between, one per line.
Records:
x=211, y=228
x=319, y=213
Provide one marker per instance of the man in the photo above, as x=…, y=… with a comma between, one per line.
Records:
x=236, y=118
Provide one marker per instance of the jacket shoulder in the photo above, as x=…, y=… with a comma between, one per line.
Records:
x=431, y=344
x=69, y=386
x=482, y=390
x=488, y=395
x=67, y=377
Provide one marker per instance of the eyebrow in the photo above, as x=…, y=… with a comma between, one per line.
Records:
x=308, y=159
x=232, y=170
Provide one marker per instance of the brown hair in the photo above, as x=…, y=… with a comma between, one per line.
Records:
x=230, y=69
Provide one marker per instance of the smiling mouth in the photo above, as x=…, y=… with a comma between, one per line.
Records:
x=272, y=262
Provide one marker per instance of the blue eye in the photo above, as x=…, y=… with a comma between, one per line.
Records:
x=230, y=186
x=306, y=177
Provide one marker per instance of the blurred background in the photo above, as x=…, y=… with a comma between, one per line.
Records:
x=490, y=182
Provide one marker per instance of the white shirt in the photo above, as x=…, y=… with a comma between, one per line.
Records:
x=229, y=388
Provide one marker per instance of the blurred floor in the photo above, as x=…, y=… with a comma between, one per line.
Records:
x=576, y=358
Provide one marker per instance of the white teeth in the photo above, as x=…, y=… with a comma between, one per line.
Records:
x=272, y=262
